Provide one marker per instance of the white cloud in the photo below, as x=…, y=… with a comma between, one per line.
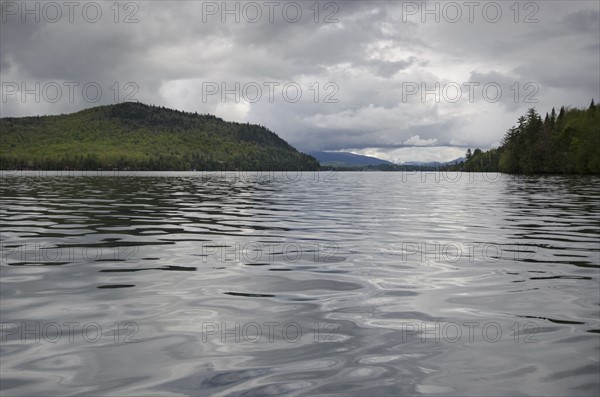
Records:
x=416, y=140
x=406, y=154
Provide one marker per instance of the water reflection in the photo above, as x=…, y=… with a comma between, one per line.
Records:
x=363, y=284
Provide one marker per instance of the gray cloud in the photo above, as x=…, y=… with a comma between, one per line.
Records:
x=370, y=57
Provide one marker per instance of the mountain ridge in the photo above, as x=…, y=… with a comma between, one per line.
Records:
x=346, y=159
x=350, y=160
x=133, y=135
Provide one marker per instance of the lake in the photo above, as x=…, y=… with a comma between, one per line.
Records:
x=254, y=284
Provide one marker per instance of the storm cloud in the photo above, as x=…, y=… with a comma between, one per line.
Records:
x=400, y=80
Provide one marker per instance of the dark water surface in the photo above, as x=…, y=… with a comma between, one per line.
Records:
x=366, y=284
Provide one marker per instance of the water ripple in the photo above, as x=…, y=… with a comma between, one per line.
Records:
x=370, y=284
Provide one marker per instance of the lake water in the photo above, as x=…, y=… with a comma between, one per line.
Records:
x=227, y=284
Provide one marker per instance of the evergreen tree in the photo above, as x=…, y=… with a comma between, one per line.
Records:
x=535, y=146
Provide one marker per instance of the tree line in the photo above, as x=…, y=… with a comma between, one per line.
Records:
x=566, y=142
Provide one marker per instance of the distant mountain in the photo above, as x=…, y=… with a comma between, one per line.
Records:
x=351, y=161
x=456, y=161
x=135, y=136
x=434, y=164
x=345, y=159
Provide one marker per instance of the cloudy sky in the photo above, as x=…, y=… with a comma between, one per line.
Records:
x=402, y=81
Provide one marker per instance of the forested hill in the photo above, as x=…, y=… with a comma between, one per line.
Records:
x=132, y=135
x=563, y=143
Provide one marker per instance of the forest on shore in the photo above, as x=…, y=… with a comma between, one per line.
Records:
x=567, y=142
x=135, y=136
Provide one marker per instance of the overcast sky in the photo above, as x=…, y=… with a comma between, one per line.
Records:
x=361, y=66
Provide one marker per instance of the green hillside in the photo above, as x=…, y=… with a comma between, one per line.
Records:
x=136, y=136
